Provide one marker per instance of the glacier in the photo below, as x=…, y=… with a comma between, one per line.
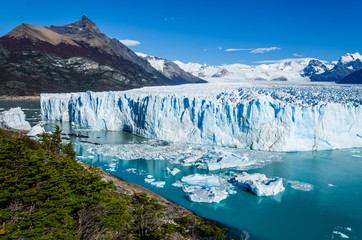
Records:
x=273, y=117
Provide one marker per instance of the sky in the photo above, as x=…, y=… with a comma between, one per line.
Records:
x=209, y=32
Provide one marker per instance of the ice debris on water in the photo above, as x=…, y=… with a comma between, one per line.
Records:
x=259, y=184
x=302, y=186
x=149, y=179
x=173, y=172
x=187, y=155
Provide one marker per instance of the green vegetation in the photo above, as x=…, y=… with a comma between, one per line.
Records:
x=46, y=194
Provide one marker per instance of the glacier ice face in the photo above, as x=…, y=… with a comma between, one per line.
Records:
x=263, y=117
x=14, y=118
x=259, y=184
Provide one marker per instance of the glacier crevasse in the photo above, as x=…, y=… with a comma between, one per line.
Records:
x=282, y=118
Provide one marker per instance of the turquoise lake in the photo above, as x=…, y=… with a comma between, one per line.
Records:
x=328, y=206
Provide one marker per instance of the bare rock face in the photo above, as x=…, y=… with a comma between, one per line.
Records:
x=72, y=58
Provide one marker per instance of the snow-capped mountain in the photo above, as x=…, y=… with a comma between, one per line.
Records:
x=316, y=67
x=346, y=65
x=170, y=69
x=291, y=70
x=283, y=70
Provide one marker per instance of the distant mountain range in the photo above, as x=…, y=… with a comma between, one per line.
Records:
x=73, y=58
x=78, y=57
x=297, y=69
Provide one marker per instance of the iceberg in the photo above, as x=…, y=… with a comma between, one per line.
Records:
x=207, y=195
x=14, y=118
x=259, y=184
x=202, y=180
x=205, y=188
x=229, y=161
x=173, y=172
x=36, y=130
x=272, y=117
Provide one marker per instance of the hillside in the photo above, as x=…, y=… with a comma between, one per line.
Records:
x=72, y=58
x=46, y=194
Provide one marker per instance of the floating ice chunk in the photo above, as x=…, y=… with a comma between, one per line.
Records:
x=191, y=159
x=131, y=170
x=177, y=184
x=149, y=176
x=202, y=180
x=149, y=180
x=159, y=184
x=348, y=229
x=36, y=130
x=302, y=186
x=229, y=161
x=331, y=185
x=259, y=184
x=14, y=118
x=173, y=172
x=341, y=234
x=207, y=195
x=356, y=155
x=188, y=189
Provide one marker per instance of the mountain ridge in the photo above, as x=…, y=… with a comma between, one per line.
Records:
x=74, y=57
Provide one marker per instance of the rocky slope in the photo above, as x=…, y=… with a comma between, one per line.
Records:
x=347, y=64
x=353, y=78
x=170, y=69
x=71, y=58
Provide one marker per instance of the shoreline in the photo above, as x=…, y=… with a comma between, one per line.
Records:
x=34, y=97
x=171, y=208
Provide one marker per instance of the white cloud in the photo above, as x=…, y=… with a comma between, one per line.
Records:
x=206, y=49
x=219, y=47
x=264, y=50
x=237, y=49
x=297, y=55
x=267, y=61
x=128, y=42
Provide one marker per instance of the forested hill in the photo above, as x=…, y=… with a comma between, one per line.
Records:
x=46, y=194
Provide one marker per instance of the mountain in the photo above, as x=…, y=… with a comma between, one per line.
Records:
x=283, y=70
x=314, y=67
x=353, y=78
x=72, y=58
x=170, y=69
x=347, y=64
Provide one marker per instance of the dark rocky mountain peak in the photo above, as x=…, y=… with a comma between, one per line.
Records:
x=78, y=29
x=75, y=57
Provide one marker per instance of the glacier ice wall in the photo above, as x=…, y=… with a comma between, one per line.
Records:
x=275, y=118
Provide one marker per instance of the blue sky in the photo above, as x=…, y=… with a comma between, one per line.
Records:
x=201, y=31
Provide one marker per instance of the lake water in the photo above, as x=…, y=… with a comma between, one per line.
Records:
x=324, y=202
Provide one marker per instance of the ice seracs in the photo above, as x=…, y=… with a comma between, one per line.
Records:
x=263, y=117
x=14, y=118
x=259, y=184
